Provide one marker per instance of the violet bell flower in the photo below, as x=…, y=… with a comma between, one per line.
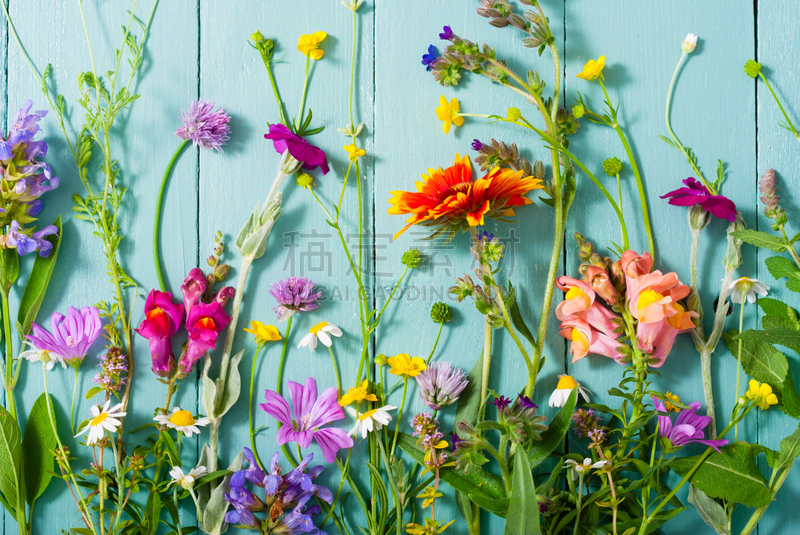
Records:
x=72, y=336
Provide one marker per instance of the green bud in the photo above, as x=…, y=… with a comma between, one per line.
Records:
x=752, y=68
x=733, y=254
x=513, y=114
x=412, y=258
x=698, y=218
x=578, y=111
x=441, y=312
x=252, y=238
x=304, y=180
x=257, y=37
x=380, y=360
x=612, y=166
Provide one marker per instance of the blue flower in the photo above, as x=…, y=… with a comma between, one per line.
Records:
x=447, y=34
x=430, y=58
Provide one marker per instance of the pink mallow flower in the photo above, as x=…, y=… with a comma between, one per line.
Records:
x=72, y=335
x=697, y=193
x=303, y=422
x=162, y=321
x=204, y=323
x=586, y=340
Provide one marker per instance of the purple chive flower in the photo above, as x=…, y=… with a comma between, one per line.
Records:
x=430, y=58
x=294, y=294
x=206, y=128
x=526, y=402
x=477, y=145
x=688, y=426
x=696, y=193
x=447, y=34
x=303, y=421
x=501, y=403
x=72, y=335
x=440, y=385
x=301, y=150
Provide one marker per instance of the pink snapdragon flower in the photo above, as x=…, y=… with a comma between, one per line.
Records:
x=162, y=320
x=204, y=323
x=194, y=286
x=586, y=340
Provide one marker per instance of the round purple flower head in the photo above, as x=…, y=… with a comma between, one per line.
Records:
x=440, y=385
x=294, y=294
x=206, y=128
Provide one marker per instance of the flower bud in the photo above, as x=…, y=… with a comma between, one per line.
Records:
x=224, y=295
x=441, y=312
x=598, y=280
x=256, y=37
x=380, y=360
x=288, y=164
x=578, y=110
x=698, y=218
x=252, y=239
x=221, y=272
x=689, y=43
x=612, y=166
x=733, y=255
x=412, y=258
x=752, y=68
x=513, y=114
x=193, y=288
x=304, y=180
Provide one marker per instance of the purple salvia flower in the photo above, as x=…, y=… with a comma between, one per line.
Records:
x=206, y=128
x=501, y=403
x=252, y=473
x=303, y=421
x=688, y=426
x=294, y=294
x=72, y=335
x=440, y=385
x=696, y=193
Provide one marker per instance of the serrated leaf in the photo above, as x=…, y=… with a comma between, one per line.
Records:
x=556, y=430
x=762, y=240
x=781, y=336
x=731, y=475
x=38, y=444
x=790, y=449
x=780, y=267
x=523, y=511
x=709, y=510
x=773, y=307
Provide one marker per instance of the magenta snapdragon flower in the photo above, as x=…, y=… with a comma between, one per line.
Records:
x=204, y=323
x=304, y=423
x=301, y=150
x=696, y=193
x=162, y=320
x=72, y=334
x=206, y=128
x=688, y=426
x=194, y=286
x=294, y=294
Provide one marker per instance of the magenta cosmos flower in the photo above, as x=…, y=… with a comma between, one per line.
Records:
x=304, y=423
x=162, y=320
x=72, y=334
x=688, y=427
x=696, y=193
x=301, y=150
x=206, y=128
x=204, y=323
x=294, y=294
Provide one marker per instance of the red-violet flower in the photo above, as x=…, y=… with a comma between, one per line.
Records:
x=430, y=58
x=162, y=321
x=204, y=322
x=688, y=427
x=696, y=193
x=301, y=150
x=206, y=128
x=194, y=286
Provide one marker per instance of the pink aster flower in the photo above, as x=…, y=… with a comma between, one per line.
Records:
x=696, y=193
x=204, y=323
x=304, y=421
x=206, y=128
x=72, y=335
x=162, y=321
x=301, y=150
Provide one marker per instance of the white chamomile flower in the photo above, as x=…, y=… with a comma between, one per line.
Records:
x=368, y=421
x=581, y=469
x=564, y=388
x=322, y=331
x=186, y=481
x=103, y=419
x=747, y=288
x=183, y=421
x=689, y=43
x=47, y=358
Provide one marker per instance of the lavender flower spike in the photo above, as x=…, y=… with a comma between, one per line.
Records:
x=688, y=427
x=206, y=128
x=72, y=335
x=440, y=385
x=294, y=294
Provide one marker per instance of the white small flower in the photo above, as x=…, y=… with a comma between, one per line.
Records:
x=564, y=388
x=689, y=43
x=183, y=421
x=583, y=468
x=322, y=331
x=103, y=419
x=747, y=288
x=370, y=420
x=186, y=481
x=352, y=5
x=45, y=357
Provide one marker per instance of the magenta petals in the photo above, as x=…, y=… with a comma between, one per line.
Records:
x=301, y=150
x=695, y=193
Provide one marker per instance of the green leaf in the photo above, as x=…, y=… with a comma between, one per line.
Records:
x=762, y=239
x=516, y=317
x=38, y=443
x=790, y=450
x=556, y=430
x=36, y=287
x=523, y=511
x=92, y=392
x=217, y=506
x=773, y=307
x=730, y=475
x=10, y=447
x=709, y=510
x=229, y=388
x=469, y=402
x=780, y=267
x=782, y=336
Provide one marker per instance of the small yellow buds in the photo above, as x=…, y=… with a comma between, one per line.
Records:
x=304, y=180
x=761, y=394
x=354, y=153
x=593, y=69
x=309, y=44
x=689, y=43
x=513, y=114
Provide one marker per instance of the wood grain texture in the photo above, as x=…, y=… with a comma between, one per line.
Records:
x=199, y=48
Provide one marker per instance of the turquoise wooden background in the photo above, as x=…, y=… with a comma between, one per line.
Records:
x=199, y=48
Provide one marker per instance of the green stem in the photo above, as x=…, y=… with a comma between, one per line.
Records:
x=393, y=485
x=8, y=376
x=774, y=488
x=739, y=363
x=532, y=373
x=250, y=407
x=279, y=382
x=281, y=113
x=579, y=504
x=791, y=247
x=399, y=416
x=778, y=102
x=389, y=299
x=335, y=371
x=299, y=119
x=157, y=217
x=74, y=395
x=435, y=343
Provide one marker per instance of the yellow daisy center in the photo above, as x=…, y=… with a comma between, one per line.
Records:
x=743, y=284
x=99, y=419
x=566, y=382
x=366, y=415
x=318, y=327
x=669, y=396
x=181, y=418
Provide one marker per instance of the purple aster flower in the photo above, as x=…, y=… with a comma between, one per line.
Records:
x=72, y=335
x=696, y=193
x=501, y=403
x=206, y=128
x=477, y=145
x=294, y=294
x=430, y=58
x=440, y=385
x=688, y=427
x=526, y=402
x=302, y=423
x=301, y=150
x=447, y=34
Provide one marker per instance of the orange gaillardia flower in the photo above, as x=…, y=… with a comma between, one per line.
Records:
x=450, y=200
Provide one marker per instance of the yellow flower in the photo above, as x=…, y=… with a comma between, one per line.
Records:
x=429, y=495
x=263, y=333
x=593, y=69
x=513, y=114
x=448, y=112
x=354, y=152
x=403, y=364
x=357, y=394
x=309, y=44
x=673, y=397
x=761, y=394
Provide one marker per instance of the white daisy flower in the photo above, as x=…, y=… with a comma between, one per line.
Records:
x=582, y=468
x=45, y=357
x=322, y=331
x=564, y=388
x=183, y=421
x=186, y=481
x=747, y=288
x=103, y=419
x=370, y=420
x=689, y=43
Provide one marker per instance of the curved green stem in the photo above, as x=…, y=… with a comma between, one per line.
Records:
x=435, y=343
x=279, y=383
x=8, y=375
x=389, y=299
x=778, y=102
x=72, y=409
x=739, y=363
x=335, y=370
x=250, y=407
x=157, y=217
x=399, y=416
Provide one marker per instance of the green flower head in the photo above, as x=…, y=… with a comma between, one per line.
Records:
x=752, y=68
x=412, y=258
x=612, y=166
